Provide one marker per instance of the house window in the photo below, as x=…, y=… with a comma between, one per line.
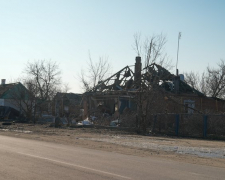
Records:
x=188, y=105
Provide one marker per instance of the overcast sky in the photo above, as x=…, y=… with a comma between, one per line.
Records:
x=66, y=30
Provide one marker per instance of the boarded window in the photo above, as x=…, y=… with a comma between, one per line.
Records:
x=188, y=106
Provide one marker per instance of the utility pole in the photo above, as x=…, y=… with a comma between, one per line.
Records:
x=179, y=36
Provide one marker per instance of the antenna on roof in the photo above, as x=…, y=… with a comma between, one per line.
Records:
x=179, y=36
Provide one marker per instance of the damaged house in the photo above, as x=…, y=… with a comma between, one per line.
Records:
x=67, y=104
x=150, y=88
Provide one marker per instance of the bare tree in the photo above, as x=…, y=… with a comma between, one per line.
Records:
x=46, y=76
x=65, y=88
x=137, y=44
x=44, y=80
x=149, y=91
x=153, y=50
x=215, y=80
x=97, y=71
x=195, y=80
x=211, y=82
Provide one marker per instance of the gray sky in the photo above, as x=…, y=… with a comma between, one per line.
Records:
x=66, y=30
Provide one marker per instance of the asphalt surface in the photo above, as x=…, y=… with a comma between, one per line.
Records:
x=30, y=159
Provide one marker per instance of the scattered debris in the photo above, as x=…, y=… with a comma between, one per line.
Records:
x=85, y=122
x=115, y=123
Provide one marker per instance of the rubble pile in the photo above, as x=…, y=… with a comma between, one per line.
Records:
x=128, y=118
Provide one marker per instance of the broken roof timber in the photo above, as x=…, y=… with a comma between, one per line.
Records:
x=115, y=81
x=123, y=81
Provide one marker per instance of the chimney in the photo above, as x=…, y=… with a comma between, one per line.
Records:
x=137, y=71
x=3, y=81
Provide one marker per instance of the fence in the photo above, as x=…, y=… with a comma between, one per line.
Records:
x=185, y=125
x=189, y=125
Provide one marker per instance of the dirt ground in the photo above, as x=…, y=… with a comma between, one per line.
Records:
x=203, y=152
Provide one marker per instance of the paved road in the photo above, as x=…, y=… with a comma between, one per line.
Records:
x=31, y=160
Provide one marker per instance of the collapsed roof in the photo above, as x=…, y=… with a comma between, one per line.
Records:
x=125, y=80
x=122, y=80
